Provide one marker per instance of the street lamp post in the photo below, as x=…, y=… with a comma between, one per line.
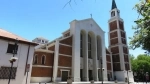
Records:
x=102, y=69
x=127, y=75
x=12, y=60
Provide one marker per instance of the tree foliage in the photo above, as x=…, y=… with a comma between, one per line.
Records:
x=141, y=37
x=140, y=65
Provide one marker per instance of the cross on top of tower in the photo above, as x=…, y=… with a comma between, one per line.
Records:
x=91, y=15
x=113, y=5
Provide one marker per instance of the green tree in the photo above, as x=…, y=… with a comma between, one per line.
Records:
x=141, y=37
x=140, y=64
x=133, y=63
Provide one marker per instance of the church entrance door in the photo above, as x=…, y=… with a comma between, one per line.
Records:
x=64, y=75
x=108, y=75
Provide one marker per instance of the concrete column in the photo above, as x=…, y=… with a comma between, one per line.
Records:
x=85, y=57
x=76, y=54
x=112, y=66
x=55, y=66
x=94, y=54
x=104, y=61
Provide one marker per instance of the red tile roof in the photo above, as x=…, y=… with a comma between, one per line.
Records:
x=9, y=35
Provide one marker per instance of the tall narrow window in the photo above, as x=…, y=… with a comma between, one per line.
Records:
x=35, y=60
x=89, y=46
x=81, y=45
x=43, y=60
x=98, y=50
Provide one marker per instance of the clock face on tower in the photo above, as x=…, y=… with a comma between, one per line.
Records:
x=112, y=13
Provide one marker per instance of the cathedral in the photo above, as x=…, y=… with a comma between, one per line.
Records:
x=80, y=53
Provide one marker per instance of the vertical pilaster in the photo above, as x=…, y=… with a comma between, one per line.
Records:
x=129, y=59
x=76, y=55
x=95, y=67
x=112, y=65
x=56, y=54
x=85, y=49
x=104, y=61
x=121, y=54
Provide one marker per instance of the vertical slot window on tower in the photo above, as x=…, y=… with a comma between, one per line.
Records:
x=125, y=50
x=112, y=13
x=121, y=25
x=123, y=34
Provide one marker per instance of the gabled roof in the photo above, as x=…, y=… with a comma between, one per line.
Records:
x=93, y=21
x=8, y=35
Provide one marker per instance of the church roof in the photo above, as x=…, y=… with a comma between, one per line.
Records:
x=8, y=35
x=113, y=5
x=93, y=21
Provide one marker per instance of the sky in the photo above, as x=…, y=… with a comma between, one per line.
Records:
x=47, y=18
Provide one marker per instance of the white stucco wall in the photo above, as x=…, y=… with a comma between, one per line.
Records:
x=88, y=25
x=121, y=75
x=20, y=63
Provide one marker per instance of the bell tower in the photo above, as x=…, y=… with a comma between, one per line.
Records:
x=118, y=42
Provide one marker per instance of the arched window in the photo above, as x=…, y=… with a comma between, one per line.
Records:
x=89, y=46
x=81, y=45
x=99, y=52
x=35, y=60
x=43, y=59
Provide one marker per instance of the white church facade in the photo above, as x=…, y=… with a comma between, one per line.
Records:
x=81, y=53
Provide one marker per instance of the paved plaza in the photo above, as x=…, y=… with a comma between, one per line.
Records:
x=105, y=82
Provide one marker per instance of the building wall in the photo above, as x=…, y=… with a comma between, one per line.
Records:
x=109, y=65
x=20, y=63
x=66, y=49
x=65, y=56
x=42, y=72
x=45, y=73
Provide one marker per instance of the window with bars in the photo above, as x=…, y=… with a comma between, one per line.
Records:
x=5, y=72
x=12, y=48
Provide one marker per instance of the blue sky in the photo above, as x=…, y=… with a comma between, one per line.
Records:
x=48, y=19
